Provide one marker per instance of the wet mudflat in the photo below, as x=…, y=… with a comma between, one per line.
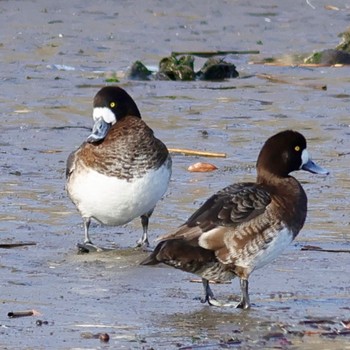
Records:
x=54, y=59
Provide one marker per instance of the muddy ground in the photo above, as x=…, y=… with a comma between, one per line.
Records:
x=55, y=57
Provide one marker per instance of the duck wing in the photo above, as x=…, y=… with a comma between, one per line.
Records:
x=230, y=207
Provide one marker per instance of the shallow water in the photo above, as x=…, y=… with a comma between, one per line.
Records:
x=46, y=113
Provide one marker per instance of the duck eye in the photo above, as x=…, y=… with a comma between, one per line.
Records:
x=297, y=148
x=112, y=104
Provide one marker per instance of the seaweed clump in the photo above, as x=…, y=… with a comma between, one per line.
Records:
x=182, y=69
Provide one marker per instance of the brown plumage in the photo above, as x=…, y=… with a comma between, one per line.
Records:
x=246, y=225
x=138, y=151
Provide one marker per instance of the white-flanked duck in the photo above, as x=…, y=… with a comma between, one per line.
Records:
x=122, y=170
x=245, y=225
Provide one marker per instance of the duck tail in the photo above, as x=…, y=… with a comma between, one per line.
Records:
x=152, y=258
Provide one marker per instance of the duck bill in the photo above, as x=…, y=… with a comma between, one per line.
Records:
x=312, y=167
x=99, y=131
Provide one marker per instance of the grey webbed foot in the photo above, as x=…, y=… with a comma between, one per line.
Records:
x=212, y=301
x=88, y=247
x=142, y=242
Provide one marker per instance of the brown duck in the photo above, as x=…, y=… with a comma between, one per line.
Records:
x=245, y=225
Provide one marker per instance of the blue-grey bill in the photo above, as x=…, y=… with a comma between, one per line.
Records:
x=99, y=131
x=312, y=167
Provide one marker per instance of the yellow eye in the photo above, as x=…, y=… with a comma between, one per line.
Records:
x=297, y=148
x=112, y=104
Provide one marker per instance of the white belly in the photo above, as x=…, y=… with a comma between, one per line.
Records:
x=112, y=201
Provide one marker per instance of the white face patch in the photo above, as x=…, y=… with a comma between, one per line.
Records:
x=304, y=158
x=105, y=113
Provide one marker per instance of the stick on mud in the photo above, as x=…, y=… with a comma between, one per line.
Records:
x=15, y=245
x=14, y=314
x=190, y=152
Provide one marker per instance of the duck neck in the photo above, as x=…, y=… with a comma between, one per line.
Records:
x=268, y=178
x=287, y=193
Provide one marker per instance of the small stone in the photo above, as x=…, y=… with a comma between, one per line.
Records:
x=201, y=167
x=104, y=337
x=41, y=323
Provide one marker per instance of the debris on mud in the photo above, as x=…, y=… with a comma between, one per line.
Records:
x=103, y=337
x=338, y=56
x=202, y=167
x=182, y=68
x=15, y=314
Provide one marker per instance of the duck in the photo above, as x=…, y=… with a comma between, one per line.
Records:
x=246, y=225
x=121, y=170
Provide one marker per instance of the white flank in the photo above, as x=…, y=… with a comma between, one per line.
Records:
x=112, y=201
x=274, y=249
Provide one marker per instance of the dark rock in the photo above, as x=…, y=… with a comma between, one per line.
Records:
x=139, y=71
x=217, y=69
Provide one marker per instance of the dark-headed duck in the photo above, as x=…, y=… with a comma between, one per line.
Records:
x=122, y=170
x=245, y=225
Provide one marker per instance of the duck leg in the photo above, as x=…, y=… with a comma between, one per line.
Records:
x=208, y=293
x=87, y=222
x=143, y=241
x=88, y=246
x=209, y=296
x=244, y=303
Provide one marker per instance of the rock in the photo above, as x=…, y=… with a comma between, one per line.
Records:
x=139, y=71
x=182, y=69
x=217, y=69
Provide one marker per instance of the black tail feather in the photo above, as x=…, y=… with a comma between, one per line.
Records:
x=152, y=258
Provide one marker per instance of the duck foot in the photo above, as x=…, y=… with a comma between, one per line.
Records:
x=142, y=243
x=85, y=248
x=144, y=248
x=212, y=301
x=220, y=303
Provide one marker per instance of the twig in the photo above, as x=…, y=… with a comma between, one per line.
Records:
x=319, y=249
x=51, y=151
x=275, y=79
x=14, y=314
x=190, y=152
x=15, y=245
x=207, y=54
x=309, y=3
x=197, y=280
x=302, y=65
x=343, y=154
